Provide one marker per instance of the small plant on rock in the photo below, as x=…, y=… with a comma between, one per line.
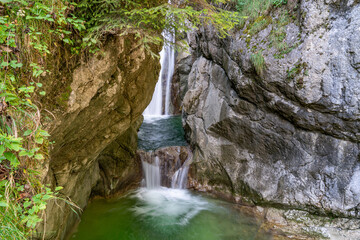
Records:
x=258, y=61
x=278, y=3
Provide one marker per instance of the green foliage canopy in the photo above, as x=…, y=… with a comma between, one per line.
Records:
x=147, y=18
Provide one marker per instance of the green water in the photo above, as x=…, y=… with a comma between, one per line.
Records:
x=157, y=132
x=164, y=214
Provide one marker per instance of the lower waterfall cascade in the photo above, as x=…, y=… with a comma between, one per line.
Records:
x=156, y=212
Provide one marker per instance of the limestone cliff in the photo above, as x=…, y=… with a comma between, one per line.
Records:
x=272, y=111
x=96, y=137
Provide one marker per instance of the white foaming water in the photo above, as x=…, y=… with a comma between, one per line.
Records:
x=170, y=68
x=154, y=118
x=152, y=174
x=169, y=206
x=167, y=61
x=155, y=106
x=179, y=179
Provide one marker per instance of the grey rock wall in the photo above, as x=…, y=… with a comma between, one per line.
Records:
x=285, y=133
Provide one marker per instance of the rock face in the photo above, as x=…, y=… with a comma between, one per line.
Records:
x=170, y=160
x=183, y=63
x=277, y=121
x=96, y=138
x=118, y=165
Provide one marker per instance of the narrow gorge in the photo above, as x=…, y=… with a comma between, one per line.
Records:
x=204, y=120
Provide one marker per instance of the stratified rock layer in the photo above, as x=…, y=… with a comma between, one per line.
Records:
x=96, y=138
x=285, y=132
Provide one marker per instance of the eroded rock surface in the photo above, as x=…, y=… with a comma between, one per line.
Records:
x=286, y=132
x=183, y=63
x=96, y=137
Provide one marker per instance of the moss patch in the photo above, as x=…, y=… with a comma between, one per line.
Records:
x=259, y=24
x=297, y=74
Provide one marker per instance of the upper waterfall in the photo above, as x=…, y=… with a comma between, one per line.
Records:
x=160, y=102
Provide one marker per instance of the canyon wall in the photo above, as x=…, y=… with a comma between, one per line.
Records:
x=272, y=111
x=95, y=138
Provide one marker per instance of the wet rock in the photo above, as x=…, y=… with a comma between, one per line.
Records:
x=286, y=133
x=118, y=165
x=170, y=160
x=183, y=63
x=302, y=225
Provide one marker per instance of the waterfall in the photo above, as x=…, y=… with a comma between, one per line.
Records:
x=169, y=37
x=157, y=105
x=179, y=179
x=152, y=174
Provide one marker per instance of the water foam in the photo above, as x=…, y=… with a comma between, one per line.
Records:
x=169, y=206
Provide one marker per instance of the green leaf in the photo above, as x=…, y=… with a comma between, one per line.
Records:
x=47, y=197
x=12, y=158
x=43, y=205
x=15, y=64
x=4, y=64
x=15, y=146
x=44, y=133
x=42, y=93
x=39, y=156
x=39, y=140
x=2, y=150
x=58, y=188
x=27, y=89
x=36, y=198
x=39, y=84
x=27, y=204
x=23, y=153
x=27, y=133
x=3, y=204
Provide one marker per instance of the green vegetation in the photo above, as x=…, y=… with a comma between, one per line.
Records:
x=297, y=74
x=278, y=3
x=29, y=32
x=147, y=18
x=255, y=8
x=259, y=24
x=264, y=13
x=258, y=61
x=277, y=35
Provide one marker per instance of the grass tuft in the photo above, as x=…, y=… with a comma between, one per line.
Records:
x=258, y=61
